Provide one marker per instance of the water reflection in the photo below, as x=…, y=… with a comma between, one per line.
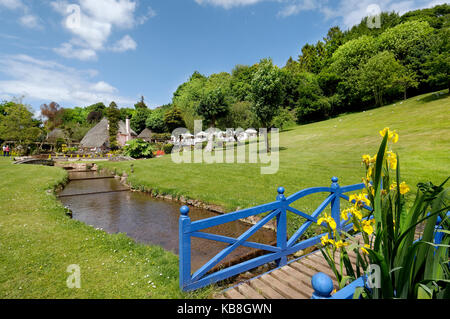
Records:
x=148, y=220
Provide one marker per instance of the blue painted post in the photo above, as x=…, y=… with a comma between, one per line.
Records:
x=322, y=285
x=336, y=202
x=282, y=226
x=184, y=247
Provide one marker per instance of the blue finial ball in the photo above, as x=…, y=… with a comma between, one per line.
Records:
x=322, y=284
x=184, y=210
x=281, y=190
x=335, y=179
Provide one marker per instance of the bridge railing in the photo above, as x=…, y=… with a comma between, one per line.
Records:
x=275, y=210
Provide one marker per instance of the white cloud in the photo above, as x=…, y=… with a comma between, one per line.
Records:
x=95, y=21
x=125, y=44
x=27, y=19
x=297, y=7
x=30, y=21
x=12, y=4
x=150, y=14
x=227, y=4
x=45, y=80
x=67, y=50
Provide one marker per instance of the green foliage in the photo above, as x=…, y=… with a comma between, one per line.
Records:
x=437, y=65
x=406, y=79
x=173, y=119
x=113, y=116
x=167, y=148
x=17, y=124
x=283, y=120
x=240, y=115
x=212, y=105
x=155, y=121
x=267, y=91
x=141, y=104
x=126, y=113
x=379, y=74
x=138, y=121
x=138, y=148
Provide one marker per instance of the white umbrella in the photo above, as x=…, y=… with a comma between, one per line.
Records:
x=202, y=134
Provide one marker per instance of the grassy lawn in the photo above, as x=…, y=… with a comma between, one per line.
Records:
x=38, y=242
x=310, y=155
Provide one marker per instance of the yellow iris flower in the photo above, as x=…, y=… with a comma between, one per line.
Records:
x=360, y=199
x=364, y=249
x=341, y=244
x=404, y=188
x=329, y=220
x=367, y=226
x=392, y=160
x=325, y=240
x=392, y=135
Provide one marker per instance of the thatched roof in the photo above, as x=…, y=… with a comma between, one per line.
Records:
x=98, y=136
x=56, y=134
x=146, y=134
x=123, y=129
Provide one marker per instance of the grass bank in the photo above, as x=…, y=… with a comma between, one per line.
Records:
x=310, y=155
x=38, y=242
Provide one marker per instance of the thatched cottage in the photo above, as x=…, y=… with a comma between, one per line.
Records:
x=146, y=135
x=98, y=137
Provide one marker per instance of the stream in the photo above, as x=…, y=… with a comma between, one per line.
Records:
x=115, y=209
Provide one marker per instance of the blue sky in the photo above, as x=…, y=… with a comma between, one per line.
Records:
x=78, y=52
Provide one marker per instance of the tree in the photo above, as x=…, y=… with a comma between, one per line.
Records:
x=54, y=114
x=113, y=115
x=187, y=97
x=379, y=74
x=345, y=63
x=267, y=93
x=406, y=79
x=155, y=121
x=94, y=117
x=141, y=104
x=212, y=105
x=437, y=65
x=17, y=124
x=127, y=113
x=312, y=57
x=139, y=118
x=173, y=119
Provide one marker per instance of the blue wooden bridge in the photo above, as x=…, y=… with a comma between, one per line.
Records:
x=290, y=279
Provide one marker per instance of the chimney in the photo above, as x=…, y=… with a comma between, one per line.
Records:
x=128, y=129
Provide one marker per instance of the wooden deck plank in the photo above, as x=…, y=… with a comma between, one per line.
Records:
x=294, y=282
x=265, y=290
x=318, y=267
x=280, y=287
x=250, y=293
x=234, y=294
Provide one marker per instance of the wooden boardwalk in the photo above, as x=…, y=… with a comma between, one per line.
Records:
x=292, y=281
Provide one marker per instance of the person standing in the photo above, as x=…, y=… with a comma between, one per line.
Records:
x=7, y=151
x=4, y=150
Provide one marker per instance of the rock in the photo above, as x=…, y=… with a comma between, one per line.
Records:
x=121, y=158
